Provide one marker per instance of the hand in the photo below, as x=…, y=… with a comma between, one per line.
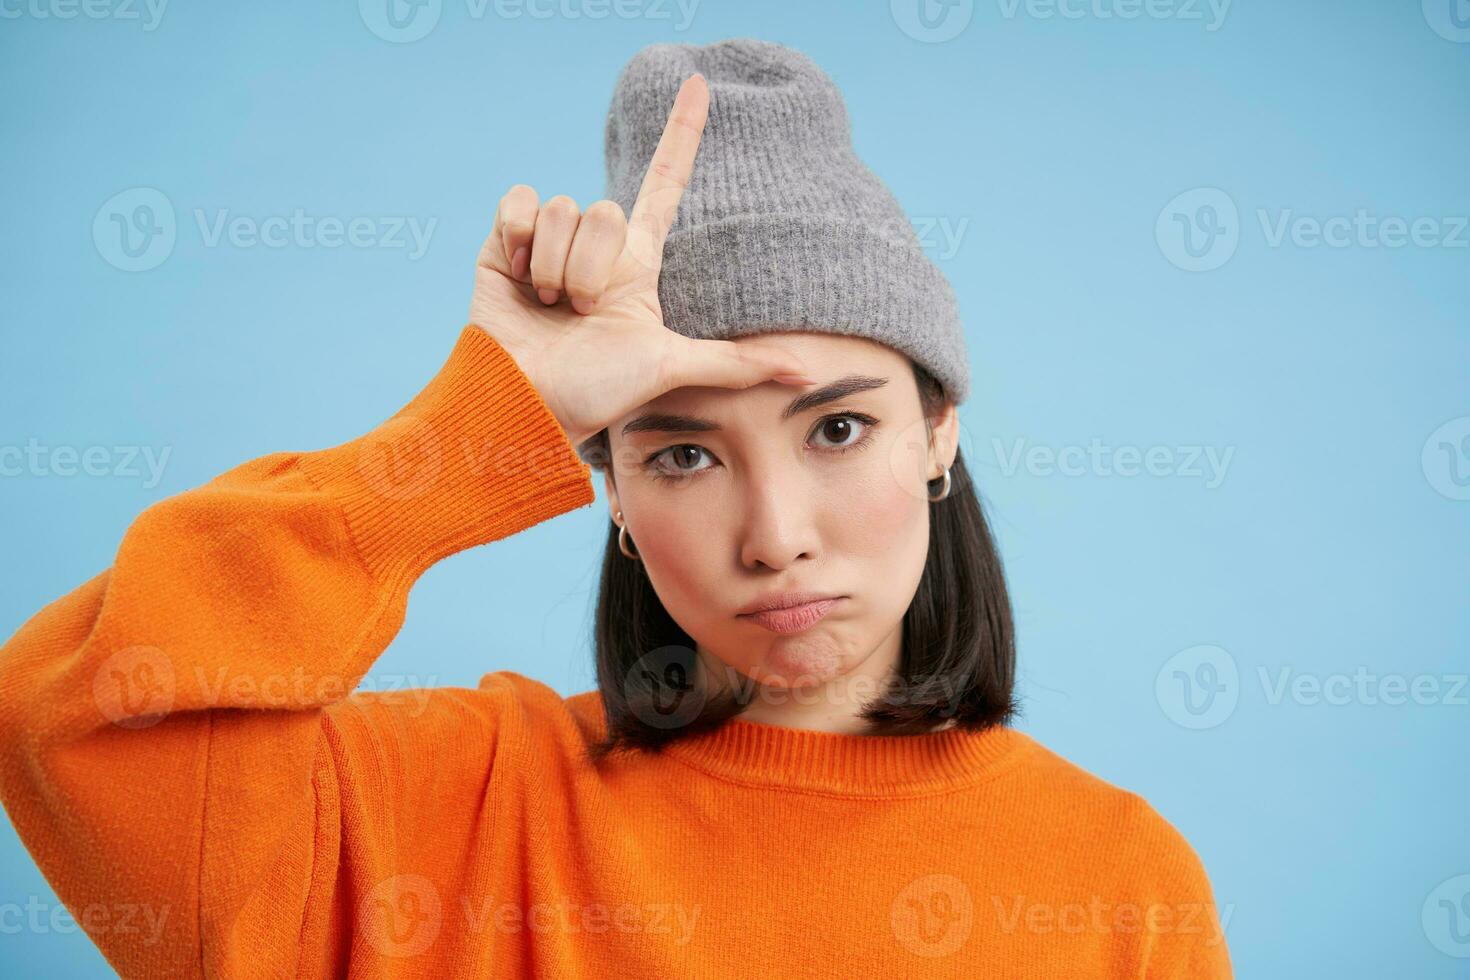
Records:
x=573, y=297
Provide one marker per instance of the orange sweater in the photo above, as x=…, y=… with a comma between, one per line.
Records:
x=180, y=753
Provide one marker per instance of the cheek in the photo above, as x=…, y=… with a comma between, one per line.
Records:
x=679, y=561
x=880, y=530
x=881, y=518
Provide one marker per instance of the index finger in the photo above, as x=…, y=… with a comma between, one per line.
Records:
x=669, y=170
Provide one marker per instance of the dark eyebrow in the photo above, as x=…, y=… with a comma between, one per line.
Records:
x=841, y=388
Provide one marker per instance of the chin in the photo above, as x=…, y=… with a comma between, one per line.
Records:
x=796, y=663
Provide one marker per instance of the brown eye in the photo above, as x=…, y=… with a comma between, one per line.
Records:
x=841, y=430
x=678, y=460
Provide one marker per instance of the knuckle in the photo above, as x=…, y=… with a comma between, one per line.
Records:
x=605, y=213
x=519, y=227
x=670, y=173
x=561, y=206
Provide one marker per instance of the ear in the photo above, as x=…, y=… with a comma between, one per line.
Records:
x=944, y=443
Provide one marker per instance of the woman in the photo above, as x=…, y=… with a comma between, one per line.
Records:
x=796, y=762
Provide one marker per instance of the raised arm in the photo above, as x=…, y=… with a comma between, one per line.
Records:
x=173, y=738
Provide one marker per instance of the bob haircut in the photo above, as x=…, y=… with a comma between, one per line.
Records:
x=958, y=658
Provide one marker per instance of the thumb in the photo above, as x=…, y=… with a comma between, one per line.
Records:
x=726, y=364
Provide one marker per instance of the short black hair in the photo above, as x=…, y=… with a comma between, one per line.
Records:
x=958, y=660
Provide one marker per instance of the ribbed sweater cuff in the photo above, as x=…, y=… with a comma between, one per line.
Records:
x=476, y=456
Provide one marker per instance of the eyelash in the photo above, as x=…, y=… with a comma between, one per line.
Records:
x=869, y=424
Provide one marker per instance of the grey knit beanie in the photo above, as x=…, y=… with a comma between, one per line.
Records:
x=782, y=227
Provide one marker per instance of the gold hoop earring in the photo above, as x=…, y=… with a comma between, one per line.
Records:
x=623, y=537
x=944, y=492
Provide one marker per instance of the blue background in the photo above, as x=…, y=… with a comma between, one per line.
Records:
x=1054, y=146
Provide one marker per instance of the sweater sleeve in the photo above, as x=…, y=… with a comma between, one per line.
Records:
x=178, y=748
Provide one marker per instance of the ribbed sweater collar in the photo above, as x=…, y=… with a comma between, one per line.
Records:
x=854, y=765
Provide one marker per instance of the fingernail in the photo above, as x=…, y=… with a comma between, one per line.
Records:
x=518, y=263
x=548, y=296
x=583, y=306
x=794, y=379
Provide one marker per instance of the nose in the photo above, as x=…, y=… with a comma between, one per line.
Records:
x=780, y=526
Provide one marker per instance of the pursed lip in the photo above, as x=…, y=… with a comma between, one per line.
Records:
x=784, y=600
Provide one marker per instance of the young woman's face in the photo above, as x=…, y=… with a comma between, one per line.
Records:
x=741, y=498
